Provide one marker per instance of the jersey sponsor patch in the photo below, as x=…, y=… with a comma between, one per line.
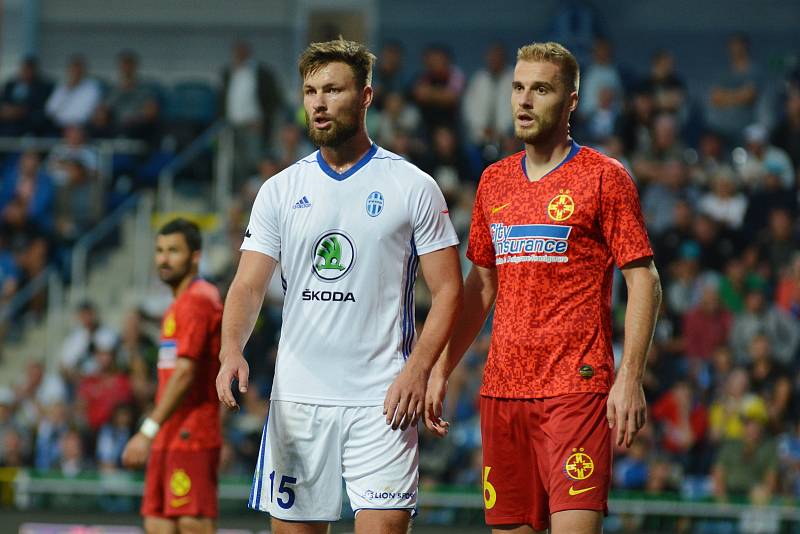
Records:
x=167, y=354
x=546, y=243
x=333, y=256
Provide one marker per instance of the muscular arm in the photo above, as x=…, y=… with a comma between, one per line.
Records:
x=626, y=404
x=405, y=399
x=242, y=305
x=480, y=291
x=178, y=384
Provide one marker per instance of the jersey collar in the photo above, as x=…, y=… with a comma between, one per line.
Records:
x=349, y=172
x=572, y=153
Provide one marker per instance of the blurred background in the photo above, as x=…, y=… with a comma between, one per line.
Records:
x=115, y=116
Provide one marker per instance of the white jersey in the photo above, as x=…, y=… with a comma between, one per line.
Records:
x=349, y=247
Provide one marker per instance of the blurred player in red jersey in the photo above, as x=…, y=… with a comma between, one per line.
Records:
x=181, y=439
x=548, y=225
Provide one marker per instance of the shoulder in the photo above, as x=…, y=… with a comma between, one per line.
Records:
x=401, y=169
x=596, y=160
x=200, y=294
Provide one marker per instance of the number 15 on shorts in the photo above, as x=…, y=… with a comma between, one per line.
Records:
x=283, y=489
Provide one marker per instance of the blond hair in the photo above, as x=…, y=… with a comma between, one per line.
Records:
x=557, y=54
x=351, y=53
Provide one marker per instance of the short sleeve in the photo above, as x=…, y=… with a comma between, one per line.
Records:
x=621, y=218
x=193, y=322
x=481, y=248
x=263, y=230
x=433, y=229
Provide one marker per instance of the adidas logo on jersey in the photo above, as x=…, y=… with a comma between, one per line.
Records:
x=302, y=203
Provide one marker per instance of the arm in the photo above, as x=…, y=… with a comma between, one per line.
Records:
x=480, y=291
x=138, y=448
x=242, y=305
x=406, y=396
x=627, y=408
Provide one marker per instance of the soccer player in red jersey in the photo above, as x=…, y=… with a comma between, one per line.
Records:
x=548, y=225
x=181, y=439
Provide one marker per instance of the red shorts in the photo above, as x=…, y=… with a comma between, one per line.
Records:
x=542, y=456
x=181, y=483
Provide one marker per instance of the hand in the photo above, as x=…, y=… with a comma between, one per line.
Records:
x=626, y=408
x=434, y=398
x=405, y=400
x=233, y=366
x=136, y=451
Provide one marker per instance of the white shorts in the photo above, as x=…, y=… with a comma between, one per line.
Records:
x=307, y=449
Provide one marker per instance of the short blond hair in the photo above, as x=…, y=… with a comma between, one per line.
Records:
x=351, y=53
x=557, y=54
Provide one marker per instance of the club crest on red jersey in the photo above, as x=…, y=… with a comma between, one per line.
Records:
x=561, y=207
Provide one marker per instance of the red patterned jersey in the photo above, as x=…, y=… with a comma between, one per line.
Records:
x=191, y=329
x=554, y=243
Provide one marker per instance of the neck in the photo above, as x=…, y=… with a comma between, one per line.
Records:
x=347, y=154
x=184, y=284
x=545, y=155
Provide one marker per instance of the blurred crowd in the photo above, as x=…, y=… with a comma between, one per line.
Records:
x=717, y=178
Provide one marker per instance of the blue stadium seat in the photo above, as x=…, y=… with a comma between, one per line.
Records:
x=192, y=102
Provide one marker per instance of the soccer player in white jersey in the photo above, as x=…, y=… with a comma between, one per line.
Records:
x=349, y=224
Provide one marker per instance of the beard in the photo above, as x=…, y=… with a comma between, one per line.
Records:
x=543, y=128
x=342, y=128
x=174, y=276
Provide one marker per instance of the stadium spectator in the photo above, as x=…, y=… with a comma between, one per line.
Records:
x=72, y=461
x=660, y=198
x=79, y=345
x=446, y=162
x=778, y=242
x=251, y=103
x=79, y=203
x=51, y=428
x=744, y=463
x=112, y=437
x=438, y=89
x=74, y=147
x=32, y=188
x=787, y=294
x=23, y=101
x=786, y=135
x=731, y=404
x=599, y=76
x=635, y=124
x=724, y=203
x=710, y=157
x=733, y=97
x=74, y=100
x=665, y=146
x=707, y=325
x=389, y=75
x=39, y=388
x=736, y=283
x=762, y=159
x=105, y=388
x=682, y=420
x=397, y=117
x=133, y=106
x=486, y=108
x=761, y=317
x=292, y=145
x=769, y=379
x=669, y=88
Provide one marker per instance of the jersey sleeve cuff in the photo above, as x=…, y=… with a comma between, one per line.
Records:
x=634, y=257
x=439, y=245
x=267, y=251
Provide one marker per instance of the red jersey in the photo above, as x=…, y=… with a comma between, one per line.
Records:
x=554, y=243
x=191, y=329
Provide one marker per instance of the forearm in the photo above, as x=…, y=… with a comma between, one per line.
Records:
x=437, y=328
x=240, y=314
x=179, y=383
x=479, y=296
x=644, y=300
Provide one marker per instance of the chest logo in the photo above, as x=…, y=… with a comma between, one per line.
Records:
x=374, y=204
x=561, y=206
x=333, y=256
x=169, y=325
